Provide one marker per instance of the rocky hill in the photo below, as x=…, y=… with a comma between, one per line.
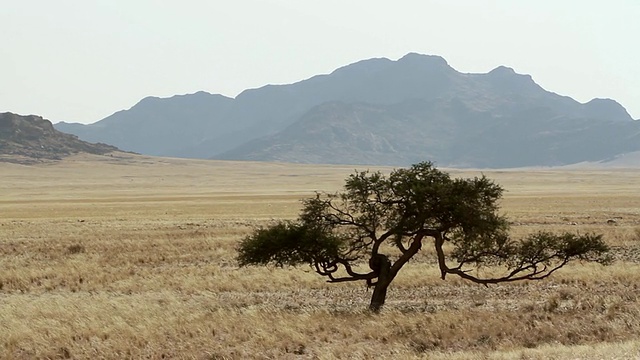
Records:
x=29, y=139
x=379, y=111
x=447, y=131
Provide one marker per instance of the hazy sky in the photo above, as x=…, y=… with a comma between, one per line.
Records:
x=82, y=60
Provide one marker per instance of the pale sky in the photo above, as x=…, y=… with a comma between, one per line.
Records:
x=82, y=60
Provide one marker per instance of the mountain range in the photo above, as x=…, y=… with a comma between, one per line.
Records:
x=379, y=112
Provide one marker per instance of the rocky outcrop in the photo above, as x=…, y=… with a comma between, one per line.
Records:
x=29, y=139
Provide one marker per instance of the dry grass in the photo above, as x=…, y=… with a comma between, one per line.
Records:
x=133, y=257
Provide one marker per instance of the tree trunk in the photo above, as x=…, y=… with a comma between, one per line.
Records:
x=382, y=265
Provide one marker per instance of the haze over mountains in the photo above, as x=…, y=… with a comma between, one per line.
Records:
x=379, y=112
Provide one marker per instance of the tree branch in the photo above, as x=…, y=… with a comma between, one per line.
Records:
x=536, y=268
x=400, y=245
x=537, y=274
x=416, y=245
x=329, y=269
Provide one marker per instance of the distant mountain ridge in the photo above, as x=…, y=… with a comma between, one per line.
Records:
x=29, y=139
x=379, y=111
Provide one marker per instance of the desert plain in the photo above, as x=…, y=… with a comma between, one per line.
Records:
x=133, y=257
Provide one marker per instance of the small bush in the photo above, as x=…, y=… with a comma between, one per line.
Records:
x=75, y=249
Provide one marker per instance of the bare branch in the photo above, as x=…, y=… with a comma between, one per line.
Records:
x=329, y=269
x=400, y=245
x=442, y=263
x=536, y=274
x=416, y=245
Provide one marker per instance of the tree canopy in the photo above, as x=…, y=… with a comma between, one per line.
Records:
x=341, y=234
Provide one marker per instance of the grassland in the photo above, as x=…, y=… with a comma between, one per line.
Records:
x=133, y=257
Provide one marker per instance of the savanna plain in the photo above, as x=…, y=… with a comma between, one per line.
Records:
x=131, y=257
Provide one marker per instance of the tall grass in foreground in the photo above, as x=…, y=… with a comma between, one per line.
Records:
x=106, y=267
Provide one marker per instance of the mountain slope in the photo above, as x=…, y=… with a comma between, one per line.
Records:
x=31, y=138
x=158, y=126
x=449, y=132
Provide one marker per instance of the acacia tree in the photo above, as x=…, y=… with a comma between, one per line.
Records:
x=340, y=234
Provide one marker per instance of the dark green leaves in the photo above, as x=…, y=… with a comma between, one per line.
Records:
x=288, y=243
x=545, y=248
x=538, y=249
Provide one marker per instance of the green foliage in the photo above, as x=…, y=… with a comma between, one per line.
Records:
x=538, y=249
x=288, y=243
x=545, y=247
